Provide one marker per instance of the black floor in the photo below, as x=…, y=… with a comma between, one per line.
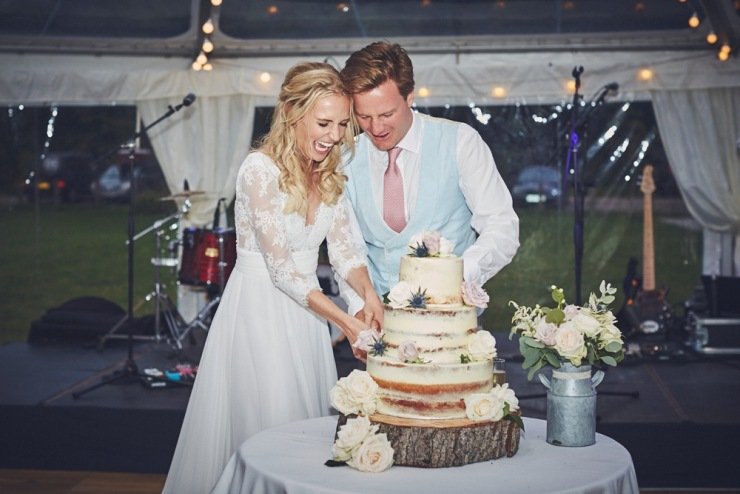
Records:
x=678, y=413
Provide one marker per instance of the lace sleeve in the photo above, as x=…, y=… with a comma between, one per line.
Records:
x=344, y=241
x=263, y=204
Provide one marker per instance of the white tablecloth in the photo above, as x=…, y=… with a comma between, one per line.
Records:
x=290, y=459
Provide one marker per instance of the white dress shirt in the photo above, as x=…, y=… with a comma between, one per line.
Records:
x=485, y=192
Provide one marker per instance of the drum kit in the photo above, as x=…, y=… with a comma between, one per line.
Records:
x=203, y=259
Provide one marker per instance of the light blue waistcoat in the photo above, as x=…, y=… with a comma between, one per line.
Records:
x=440, y=204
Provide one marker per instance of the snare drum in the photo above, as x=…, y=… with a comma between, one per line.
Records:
x=204, y=253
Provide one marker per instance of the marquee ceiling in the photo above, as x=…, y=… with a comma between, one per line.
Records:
x=299, y=27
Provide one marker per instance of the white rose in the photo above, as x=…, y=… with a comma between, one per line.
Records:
x=446, y=248
x=569, y=343
x=484, y=406
x=351, y=434
x=362, y=389
x=341, y=401
x=407, y=351
x=375, y=454
x=545, y=332
x=571, y=310
x=506, y=394
x=482, y=345
x=586, y=324
x=610, y=334
x=399, y=295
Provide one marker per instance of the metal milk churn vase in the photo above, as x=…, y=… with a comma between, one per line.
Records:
x=571, y=405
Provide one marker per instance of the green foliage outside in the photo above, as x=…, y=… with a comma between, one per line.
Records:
x=55, y=253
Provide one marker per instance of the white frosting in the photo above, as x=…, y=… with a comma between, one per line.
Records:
x=441, y=277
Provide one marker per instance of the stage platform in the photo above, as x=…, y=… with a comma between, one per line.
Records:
x=678, y=414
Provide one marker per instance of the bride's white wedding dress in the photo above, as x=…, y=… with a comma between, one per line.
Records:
x=267, y=360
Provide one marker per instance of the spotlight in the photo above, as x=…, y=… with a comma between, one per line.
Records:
x=207, y=45
x=711, y=38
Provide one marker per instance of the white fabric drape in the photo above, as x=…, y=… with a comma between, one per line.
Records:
x=204, y=144
x=699, y=129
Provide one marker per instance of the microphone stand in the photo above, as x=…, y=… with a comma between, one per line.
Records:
x=572, y=160
x=129, y=373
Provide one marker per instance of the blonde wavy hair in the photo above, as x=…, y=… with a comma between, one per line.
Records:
x=305, y=84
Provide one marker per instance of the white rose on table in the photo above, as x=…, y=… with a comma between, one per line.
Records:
x=400, y=295
x=407, y=351
x=474, y=295
x=482, y=345
x=569, y=343
x=375, y=454
x=545, y=332
x=506, y=394
x=350, y=436
x=484, y=406
x=586, y=324
x=570, y=311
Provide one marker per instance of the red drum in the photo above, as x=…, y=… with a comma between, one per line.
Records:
x=207, y=255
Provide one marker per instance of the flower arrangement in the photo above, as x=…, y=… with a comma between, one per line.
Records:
x=358, y=443
x=568, y=333
x=430, y=244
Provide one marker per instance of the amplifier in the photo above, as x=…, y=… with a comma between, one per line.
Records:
x=714, y=335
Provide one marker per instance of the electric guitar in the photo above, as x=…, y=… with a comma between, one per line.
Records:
x=646, y=309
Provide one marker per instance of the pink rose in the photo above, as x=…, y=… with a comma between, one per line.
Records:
x=474, y=295
x=431, y=241
x=407, y=351
x=545, y=332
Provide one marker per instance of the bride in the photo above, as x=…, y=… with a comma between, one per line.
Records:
x=268, y=357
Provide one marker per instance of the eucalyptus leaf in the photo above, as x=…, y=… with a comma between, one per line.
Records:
x=613, y=347
x=531, y=357
x=531, y=342
x=609, y=360
x=552, y=359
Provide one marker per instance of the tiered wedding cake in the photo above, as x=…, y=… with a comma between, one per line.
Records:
x=428, y=391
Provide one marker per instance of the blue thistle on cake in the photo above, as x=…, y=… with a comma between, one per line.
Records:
x=419, y=250
x=378, y=348
x=419, y=299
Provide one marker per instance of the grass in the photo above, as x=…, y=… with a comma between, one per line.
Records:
x=55, y=253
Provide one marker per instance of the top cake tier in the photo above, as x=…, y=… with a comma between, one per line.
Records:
x=441, y=277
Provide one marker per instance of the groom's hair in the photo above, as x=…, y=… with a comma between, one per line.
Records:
x=378, y=62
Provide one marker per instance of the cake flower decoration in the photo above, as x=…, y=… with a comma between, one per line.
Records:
x=497, y=404
x=430, y=244
x=371, y=341
x=474, y=295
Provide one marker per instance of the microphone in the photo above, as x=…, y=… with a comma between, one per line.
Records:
x=612, y=86
x=186, y=101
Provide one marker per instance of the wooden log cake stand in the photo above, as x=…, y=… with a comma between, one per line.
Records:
x=446, y=443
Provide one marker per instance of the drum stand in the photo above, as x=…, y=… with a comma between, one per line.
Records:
x=164, y=310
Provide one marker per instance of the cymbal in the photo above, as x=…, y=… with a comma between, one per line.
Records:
x=182, y=195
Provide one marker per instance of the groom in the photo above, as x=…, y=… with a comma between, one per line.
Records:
x=412, y=172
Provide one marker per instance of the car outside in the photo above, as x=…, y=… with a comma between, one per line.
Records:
x=62, y=177
x=536, y=184
x=114, y=182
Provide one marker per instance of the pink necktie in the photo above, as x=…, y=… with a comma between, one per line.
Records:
x=394, y=210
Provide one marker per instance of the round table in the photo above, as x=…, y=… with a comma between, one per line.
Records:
x=290, y=459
